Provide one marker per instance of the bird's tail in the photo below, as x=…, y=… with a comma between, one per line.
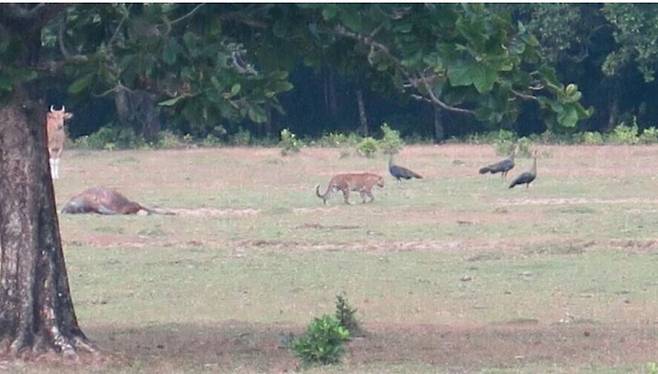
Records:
x=416, y=175
x=485, y=170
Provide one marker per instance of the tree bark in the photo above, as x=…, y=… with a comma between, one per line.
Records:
x=138, y=109
x=363, y=117
x=36, y=310
x=439, y=132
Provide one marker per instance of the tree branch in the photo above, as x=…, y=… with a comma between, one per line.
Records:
x=440, y=103
x=189, y=14
x=524, y=96
x=373, y=44
x=62, y=46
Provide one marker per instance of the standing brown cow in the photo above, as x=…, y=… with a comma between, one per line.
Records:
x=56, y=136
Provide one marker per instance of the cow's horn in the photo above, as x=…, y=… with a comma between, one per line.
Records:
x=52, y=109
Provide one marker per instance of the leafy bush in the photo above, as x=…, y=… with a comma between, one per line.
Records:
x=110, y=138
x=211, y=141
x=332, y=139
x=649, y=136
x=345, y=316
x=169, y=140
x=504, y=141
x=591, y=138
x=623, y=134
x=523, y=147
x=390, y=143
x=368, y=147
x=241, y=137
x=549, y=137
x=322, y=343
x=289, y=143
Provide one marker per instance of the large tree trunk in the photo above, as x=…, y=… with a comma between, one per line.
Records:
x=363, y=117
x=36, y=311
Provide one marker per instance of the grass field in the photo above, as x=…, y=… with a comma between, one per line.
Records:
x=451, y=273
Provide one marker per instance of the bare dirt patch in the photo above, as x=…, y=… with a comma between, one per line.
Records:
x=573, y=201
x=255, y=347
x=213, y=212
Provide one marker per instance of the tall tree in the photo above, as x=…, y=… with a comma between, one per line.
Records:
x=36, y=311
x=176, y=53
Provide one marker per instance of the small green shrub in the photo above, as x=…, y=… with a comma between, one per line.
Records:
x=168, y=140
x=504, y=141
x=649, y=136
x=623, y=134
x=102, y=136
x=110, y=138
x=390, y=143
x=322, y=343
x=367, y=147
x=523, y=147
x=345, y=315
x=591, y=138
x=241, y=137
x=211, y=141
x=333, y=139
x=289, y=143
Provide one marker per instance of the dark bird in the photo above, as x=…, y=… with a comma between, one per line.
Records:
x=502, y=167
x=528, y=176
x=400, y=172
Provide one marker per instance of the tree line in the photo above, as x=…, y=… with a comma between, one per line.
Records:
x=429, y=70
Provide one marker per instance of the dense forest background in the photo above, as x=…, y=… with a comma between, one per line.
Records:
x=251, y=70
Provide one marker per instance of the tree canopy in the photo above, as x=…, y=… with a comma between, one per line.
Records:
x=205, y=69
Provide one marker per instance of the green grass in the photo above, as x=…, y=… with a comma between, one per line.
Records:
x=456, y=251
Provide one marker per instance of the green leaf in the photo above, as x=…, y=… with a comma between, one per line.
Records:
x=81, y=84
x=329, y=12
x=568, y=117
x=481, y=76
x=5, y=83
x=170, y=51
x=281, y=86
x=235, y=89
x=172, y=102
x=351, y=17
x=257, y=114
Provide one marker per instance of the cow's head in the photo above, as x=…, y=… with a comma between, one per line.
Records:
x=56, y=118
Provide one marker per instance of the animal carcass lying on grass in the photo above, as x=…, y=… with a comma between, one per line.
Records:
x=105, y=201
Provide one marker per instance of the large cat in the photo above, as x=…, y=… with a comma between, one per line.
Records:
x=361, y=182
